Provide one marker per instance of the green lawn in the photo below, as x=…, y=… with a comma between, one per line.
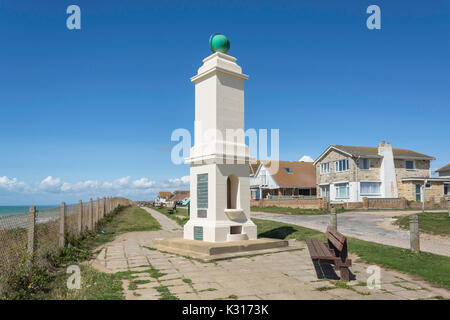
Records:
x=180, y=217
x=431, y=267
x=429, y=222
x=127, y=220
x=289, y=210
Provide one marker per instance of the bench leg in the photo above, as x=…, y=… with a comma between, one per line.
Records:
x=345, y=274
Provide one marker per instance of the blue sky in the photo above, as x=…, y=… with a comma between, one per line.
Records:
x=95, y=108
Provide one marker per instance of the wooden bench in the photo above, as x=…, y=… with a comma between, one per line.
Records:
x=334, y=251
x=173, y=209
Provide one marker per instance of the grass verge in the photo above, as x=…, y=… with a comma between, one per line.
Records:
x=429, y=222
x=431, y=267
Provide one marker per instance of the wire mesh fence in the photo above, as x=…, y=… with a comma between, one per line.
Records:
x=29, y=239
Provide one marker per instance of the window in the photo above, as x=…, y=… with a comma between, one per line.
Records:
x=232, y=191
x=410, y=165
x=325, y=191
x=325, y=168
x=370, y=188
x=341, y=165
x=447, y=189
x=364, y=164
x=288, y=170
x=202, y=191
x=428, y=185
x=342, y=190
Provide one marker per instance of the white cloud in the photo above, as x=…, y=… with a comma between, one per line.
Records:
x=11, y=184
x=306, y=158
x=144, y=187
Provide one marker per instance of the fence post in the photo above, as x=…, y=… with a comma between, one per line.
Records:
x=80, y=216
x=448, y=205
x=31, y=230
x=97, y=211
x=333, y=218
x=103, y=207
x=62, y=216
x=90, y=215
x=414, y=233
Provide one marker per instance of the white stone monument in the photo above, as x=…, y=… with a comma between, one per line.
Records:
x=219, y=159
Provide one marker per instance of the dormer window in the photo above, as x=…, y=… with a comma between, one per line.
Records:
x=288, y=170
x=410, y=165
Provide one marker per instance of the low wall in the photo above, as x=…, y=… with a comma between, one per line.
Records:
x=312, y=203
x=367, y=203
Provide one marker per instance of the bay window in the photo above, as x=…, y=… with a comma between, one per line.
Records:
x=342, y=190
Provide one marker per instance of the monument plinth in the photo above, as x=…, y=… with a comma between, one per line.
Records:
x=219, y=159
x=219, y=167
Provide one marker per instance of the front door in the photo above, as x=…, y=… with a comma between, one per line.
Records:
x=418, y=192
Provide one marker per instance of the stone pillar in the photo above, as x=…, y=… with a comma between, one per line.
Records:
x=80, y=216
x=62, y=217
x=414, y=233
x=366, y=203
x=333, y=217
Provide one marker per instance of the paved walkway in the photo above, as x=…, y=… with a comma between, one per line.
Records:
x=370, y=226
x=283, y=275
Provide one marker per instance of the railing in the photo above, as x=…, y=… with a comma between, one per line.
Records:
x=30, y=238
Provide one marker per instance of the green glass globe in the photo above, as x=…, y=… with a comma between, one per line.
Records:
x=219, y=43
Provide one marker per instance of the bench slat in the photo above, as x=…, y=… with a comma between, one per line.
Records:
x=318, y=250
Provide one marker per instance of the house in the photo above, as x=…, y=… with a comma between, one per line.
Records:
x=164, y=195
x=444, y=172
x=180, y=195
x=282, y=178
x=349, y=173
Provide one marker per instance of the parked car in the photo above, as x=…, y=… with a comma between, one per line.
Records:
x=186, y=201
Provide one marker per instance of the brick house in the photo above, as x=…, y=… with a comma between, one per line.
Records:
x=282, y=178
x=349, y=173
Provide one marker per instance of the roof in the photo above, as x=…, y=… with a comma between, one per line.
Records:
x=180, y=195
x=165, y=194
x=356, y=151
x=444, y=168
x=303, y=174
x=254, y=167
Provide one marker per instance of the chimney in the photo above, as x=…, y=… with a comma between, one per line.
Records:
x=389, y=187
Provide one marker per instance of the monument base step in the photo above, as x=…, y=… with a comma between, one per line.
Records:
x=207, y=251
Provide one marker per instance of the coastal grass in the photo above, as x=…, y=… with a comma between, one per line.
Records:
x=431, y=267
x=437, y=223
x=292, y=211
x=95, y=285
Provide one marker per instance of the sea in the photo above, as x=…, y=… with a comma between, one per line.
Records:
x=9, y=210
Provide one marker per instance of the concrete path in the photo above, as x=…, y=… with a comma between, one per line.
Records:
x=166, y=223
x=370, y=226
x=283, y=275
